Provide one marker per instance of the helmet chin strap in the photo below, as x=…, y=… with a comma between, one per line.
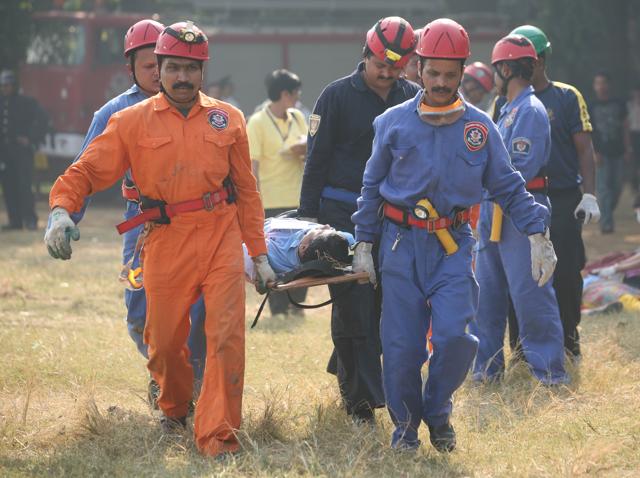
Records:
x=505, y=80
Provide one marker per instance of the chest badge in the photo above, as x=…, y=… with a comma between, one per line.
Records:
x=218, y=118
x=475, y=135
x=508, y=121
x=551, y=114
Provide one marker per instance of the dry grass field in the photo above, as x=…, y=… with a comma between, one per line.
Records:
x=73, y=387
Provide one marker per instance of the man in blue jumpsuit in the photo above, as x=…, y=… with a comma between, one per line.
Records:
x=571, y=173
x=139, y=43
x=504, y=252
x=431, y=158
x=339, y=144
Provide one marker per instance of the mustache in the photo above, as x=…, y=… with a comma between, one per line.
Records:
x=441, y=89
x=183, y=84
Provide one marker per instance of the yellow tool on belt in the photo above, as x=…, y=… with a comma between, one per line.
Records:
x=423, y=210
x=496, y=223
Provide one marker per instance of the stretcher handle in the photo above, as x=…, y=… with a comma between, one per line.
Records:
x=360, y=277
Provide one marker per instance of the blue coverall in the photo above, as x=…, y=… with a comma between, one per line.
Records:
x=502, y=268
x=135, y=300
x=450, y=165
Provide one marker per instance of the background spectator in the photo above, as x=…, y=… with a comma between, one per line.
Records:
x=611, y=143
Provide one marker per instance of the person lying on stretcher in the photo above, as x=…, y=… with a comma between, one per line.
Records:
x=292, y=242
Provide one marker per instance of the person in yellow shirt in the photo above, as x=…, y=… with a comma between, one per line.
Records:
x=278, y=145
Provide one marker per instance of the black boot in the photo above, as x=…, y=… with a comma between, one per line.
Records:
x=443, y=437
x=173, y=426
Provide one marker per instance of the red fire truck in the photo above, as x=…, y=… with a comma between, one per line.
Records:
x=73, y=65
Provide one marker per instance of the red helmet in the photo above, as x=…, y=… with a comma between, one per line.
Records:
x=143, y=33
x=513, y=47
x=444, y=38
x=481, y=73
x=392, y=40
x=184, y=40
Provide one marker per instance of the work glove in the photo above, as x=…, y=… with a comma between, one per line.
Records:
x=543, y=258
x=363, y=261
x=59, y=234
x=264, y=273
x=588, y=209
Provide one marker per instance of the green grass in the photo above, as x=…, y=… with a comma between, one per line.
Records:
x=72, y=392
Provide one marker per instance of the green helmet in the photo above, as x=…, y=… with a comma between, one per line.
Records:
x=536, y=36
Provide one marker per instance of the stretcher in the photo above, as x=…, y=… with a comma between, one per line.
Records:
x=359, y=277
x=346, y=276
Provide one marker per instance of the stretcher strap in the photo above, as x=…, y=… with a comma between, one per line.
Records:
x=208, y=201
x=298, y=304
x=405, y=218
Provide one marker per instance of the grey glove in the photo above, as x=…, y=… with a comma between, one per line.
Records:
x=308, y=219
x=59, y=234
x=264, y=274
x=363, y=261
x=543, y=258
x=588, y=207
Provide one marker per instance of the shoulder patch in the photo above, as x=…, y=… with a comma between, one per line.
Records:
x=475, y=135
x=218, y=118
x=314, y=124
x=521, y=145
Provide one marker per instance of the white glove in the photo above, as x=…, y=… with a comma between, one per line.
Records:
x=59, y=234
x=363, y=261
x=607, y=272
x=543, y=258
x=589, y=207
x=264, y=273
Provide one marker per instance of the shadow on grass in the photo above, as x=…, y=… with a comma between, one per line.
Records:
x=275, y=323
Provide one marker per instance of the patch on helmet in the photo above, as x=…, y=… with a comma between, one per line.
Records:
x=521, y=145
x=475, y=135
x=314, y=123
x=218, y=118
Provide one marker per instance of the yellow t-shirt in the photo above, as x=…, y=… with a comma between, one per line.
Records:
x=280, y=170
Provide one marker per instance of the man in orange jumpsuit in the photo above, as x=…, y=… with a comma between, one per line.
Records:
x=180, y=146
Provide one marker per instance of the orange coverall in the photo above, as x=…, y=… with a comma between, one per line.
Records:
x=174, y=159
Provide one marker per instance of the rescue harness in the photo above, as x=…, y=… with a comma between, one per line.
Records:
x=405, y=218
x=160, y=212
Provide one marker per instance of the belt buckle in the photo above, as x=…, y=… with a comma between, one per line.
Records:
x=207, y=202
x=430, y=225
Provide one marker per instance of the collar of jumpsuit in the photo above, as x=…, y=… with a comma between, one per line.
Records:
x=440, y=115
x=161, y=103
x=511, y=105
